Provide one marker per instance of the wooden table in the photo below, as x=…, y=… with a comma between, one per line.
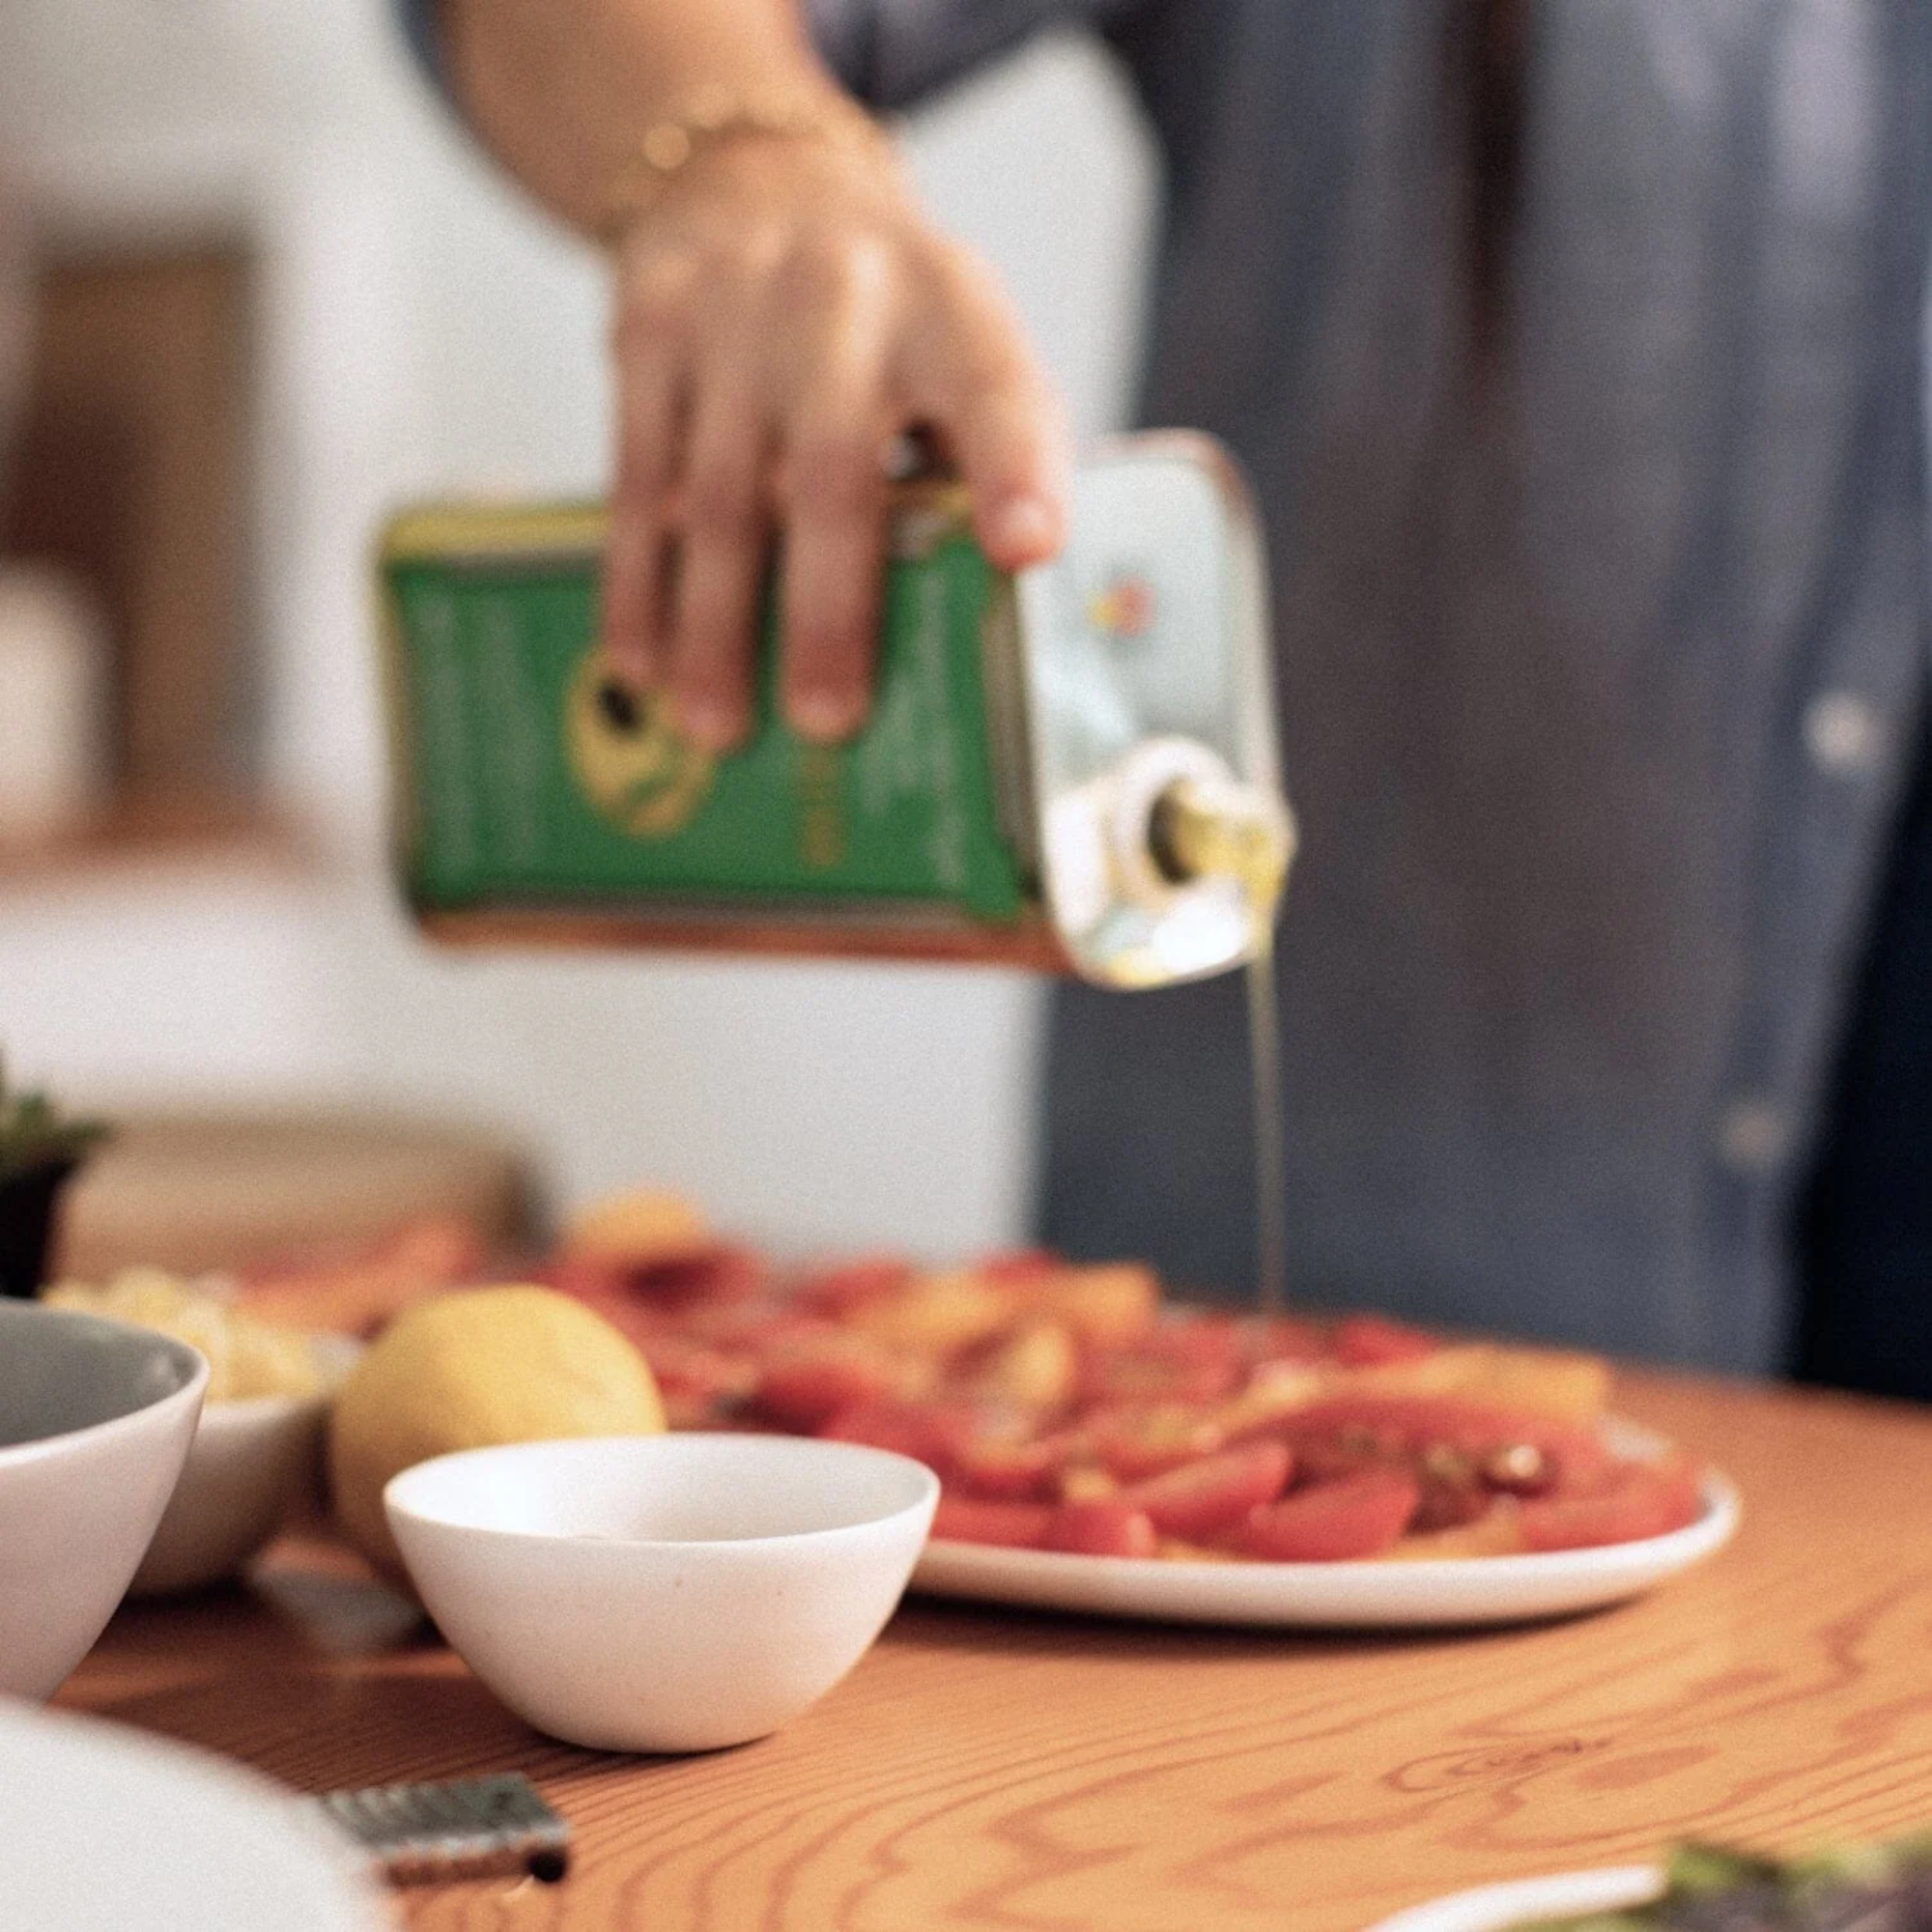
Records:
x=994, y=1768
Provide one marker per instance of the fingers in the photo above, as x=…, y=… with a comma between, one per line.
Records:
x=835, y=498
x=967, y=368
x=724, y=539
x=637, y=555
x=835, y=543
x=686, y=549
x=1013, y=455
x=763, y=371
x=651, y=344
x=786, y=372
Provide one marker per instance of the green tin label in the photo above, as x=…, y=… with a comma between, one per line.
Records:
x=533, y=779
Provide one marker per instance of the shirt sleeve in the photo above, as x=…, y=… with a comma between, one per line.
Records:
x=890, y=53
x=417, y=20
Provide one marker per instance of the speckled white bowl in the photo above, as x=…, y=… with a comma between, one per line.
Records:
x=249, y=1464
x=95, y=1417
x=662, y=1593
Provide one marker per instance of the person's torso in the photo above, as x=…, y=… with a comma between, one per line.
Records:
x=1594, y=671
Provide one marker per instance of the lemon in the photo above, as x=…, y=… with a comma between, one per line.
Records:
x=466, y=1370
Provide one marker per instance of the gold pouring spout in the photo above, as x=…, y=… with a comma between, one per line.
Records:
x=1200, y=829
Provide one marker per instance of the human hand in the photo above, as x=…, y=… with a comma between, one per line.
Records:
x=785, y=313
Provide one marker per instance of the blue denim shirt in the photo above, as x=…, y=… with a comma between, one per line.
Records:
x=1596, y=691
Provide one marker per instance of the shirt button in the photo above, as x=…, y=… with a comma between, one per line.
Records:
x=1750, y=1136
x=1842, y=733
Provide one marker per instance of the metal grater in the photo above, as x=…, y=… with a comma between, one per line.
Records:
x=467, y=1828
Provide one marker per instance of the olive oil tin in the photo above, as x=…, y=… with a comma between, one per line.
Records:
x=1074, y=770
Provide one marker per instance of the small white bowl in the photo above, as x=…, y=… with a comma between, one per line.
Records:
x=249, y=1464
x=662, y=1592
x=95, y=1417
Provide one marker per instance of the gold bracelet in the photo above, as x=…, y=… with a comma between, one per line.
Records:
x=713, y=116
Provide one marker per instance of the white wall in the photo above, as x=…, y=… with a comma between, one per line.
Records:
x=422, y=332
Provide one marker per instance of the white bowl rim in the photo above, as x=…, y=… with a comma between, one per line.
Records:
x=337, y=1359
x=396, y=1504
x=245, y=1405
x=13, y=1454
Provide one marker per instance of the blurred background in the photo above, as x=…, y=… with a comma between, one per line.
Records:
x=270, y=293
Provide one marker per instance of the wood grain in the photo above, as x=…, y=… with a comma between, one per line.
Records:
x=997, y=1769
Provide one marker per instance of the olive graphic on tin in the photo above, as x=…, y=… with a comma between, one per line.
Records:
x=628, y=758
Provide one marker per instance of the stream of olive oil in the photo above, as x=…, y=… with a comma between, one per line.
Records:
x=1203, y=831
x=1270, y=1132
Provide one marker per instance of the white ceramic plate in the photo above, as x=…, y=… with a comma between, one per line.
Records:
x=1339, y=1596
x=1501, y=1908
x=107, y=1830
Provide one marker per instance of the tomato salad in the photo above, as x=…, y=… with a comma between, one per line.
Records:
x=1069, y=1407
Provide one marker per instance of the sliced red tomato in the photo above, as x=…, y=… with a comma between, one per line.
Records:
x=805, y=1387
x=719, y=1274
x=1450, y=1503
x=1028, y=1369
x=1213, y=1493
x=722, y=1273
x=931, y=1433
x=832, y=1290
x=1328, y=1458
x=1111, y=1527
x=1137, y=1442
x=1412, y=1425
x=1359, y=1516
x=699, y=1370
x=1370, y=1341
x=1634, y=1502
x=971, y=1520
x=1017, y=1266
x=1012, y=1471
x=1196, y=1360
x=1283, y=1338
x=582, y=1275
x=762, y=1329
x=1105, y=1303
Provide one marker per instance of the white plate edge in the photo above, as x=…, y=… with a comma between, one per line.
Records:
x=1500, y=1908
